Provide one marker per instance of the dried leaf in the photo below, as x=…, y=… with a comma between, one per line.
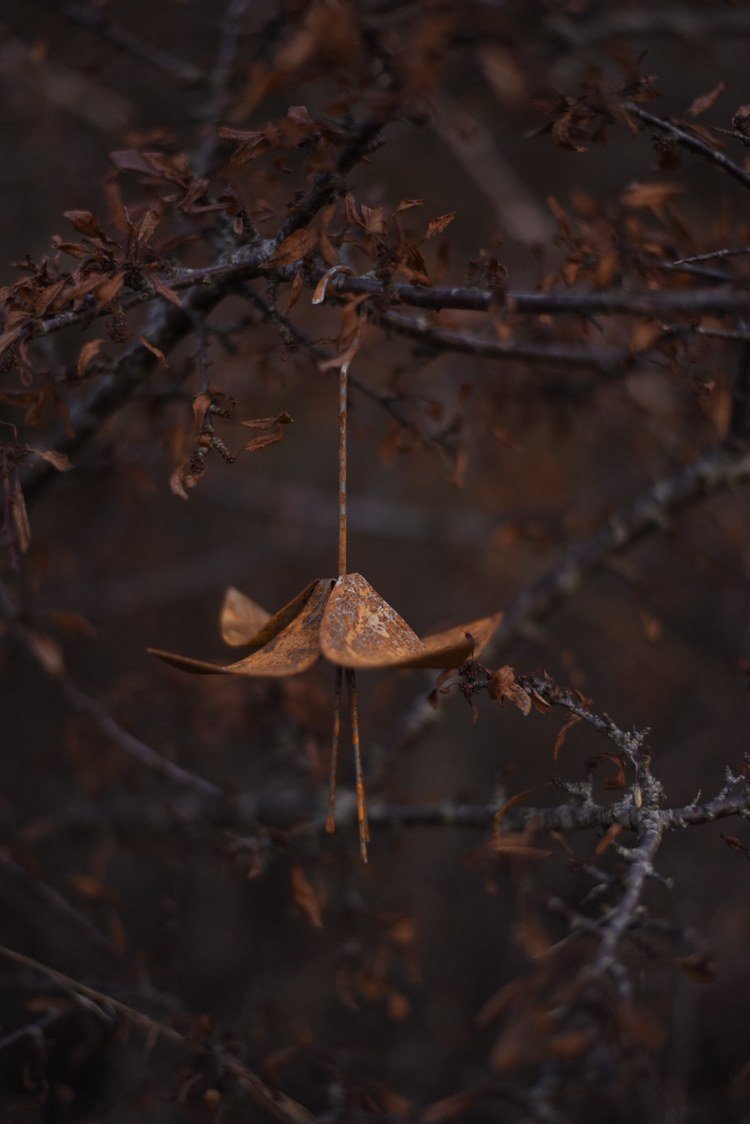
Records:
x=651, y=195
x=455, y=645
x=88, y=351
x=60, y=461
x=109, y=290
x=241, y=618
x=292, y=650
x=154, y=350
x=164, y=291
x=706, y=101
x=296, y=247
x=504, y=687
x=305, y=897
x=438, y=225
x=20, y=517
x=361, y=630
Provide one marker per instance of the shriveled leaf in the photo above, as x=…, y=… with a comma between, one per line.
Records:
x=109, y=290
x=292, y=650
x=48, y=652
x=438, y=225
x=296, y=247
x=504, y=687
x=20, y=517
x=157, y=351
x=571, y=721
x=285, y=614
x=84, y=222
x=88, y=351
x=299, y=114
x=8, y=338
x=60, y=461
x=360, y=629
x=305, y=897
x=164, y=291
x=147, y=226
x=262, y=441
x=241, y=618
x=455, y=645
x=650, y=195
x=407, y=204
x=706, y=101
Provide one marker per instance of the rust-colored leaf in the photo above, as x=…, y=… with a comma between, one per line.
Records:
x=504, y=687
x=438, y=225
x=292, y=650
x=706, y=101
x=164, y=291
x=305, y=897
x=109, y=290
x=88, y=351
x=60, y=461
x=455, y=645
x=157, y=351
x=241, y=618
x=361, y=630
x=296, y=247
x=650, y=195
x=20, y=517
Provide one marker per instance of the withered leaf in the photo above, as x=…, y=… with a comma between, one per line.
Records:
x=20, y=517
x=361, y=630
x=438, y=225
x=88, y=351
x=164, y=291
x=299, y=114
x=650, y=195
x=305, y=897
x=85, y=223
x=452, y=647
x=296, y=247
x=157, y=351
x=109, y=290
x=60, y=461
x=241, y=618
x=504, y=687
x=292, y=650
x=705, y=101
x=407, y=204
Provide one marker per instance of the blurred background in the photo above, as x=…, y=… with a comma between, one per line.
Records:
x=370, y=1014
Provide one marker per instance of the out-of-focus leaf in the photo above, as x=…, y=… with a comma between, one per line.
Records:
x=87, y=353
x=305, y=897
x=241, y=618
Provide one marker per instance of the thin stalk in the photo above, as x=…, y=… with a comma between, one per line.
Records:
x=364, y=831
x=330, y=820
x=343, y=397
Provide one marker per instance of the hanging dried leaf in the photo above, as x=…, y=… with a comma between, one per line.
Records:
x=455, y=645
x=290, y=651
x=241, y=618
x=361, y=630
